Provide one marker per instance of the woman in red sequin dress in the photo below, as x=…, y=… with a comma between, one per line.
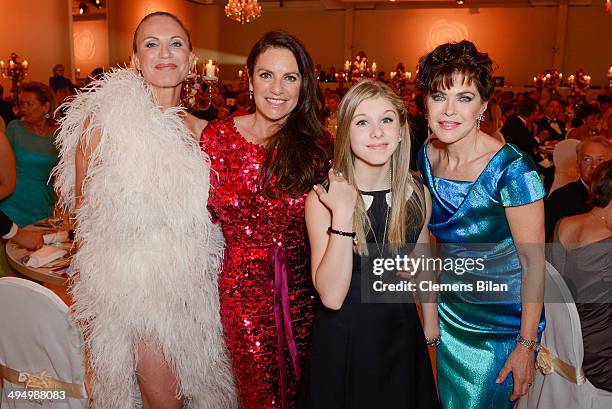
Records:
x=262, y=167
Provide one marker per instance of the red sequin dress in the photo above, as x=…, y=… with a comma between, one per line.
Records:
x=265, y=285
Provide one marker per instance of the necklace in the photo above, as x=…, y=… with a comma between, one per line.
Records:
x=381, y=248
x=603, y=219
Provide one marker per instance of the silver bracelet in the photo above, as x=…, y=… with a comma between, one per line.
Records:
x=433, y=342
x=530, y=344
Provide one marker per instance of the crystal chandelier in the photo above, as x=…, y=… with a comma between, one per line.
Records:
x=243, y=11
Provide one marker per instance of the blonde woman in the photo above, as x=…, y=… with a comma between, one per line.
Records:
x=366, y=355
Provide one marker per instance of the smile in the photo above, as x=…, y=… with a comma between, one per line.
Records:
x=165, y=66
x=448, y=125
x=275, y=101
x=377, y=146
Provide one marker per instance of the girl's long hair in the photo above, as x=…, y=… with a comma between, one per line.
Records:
x=407, y=204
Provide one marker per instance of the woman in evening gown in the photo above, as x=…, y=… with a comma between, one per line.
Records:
x=367, y=354
x=483, y=192
x=263, y=164
x=149, y=255
x=582, y=255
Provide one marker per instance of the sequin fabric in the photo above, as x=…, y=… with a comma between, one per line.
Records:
x=253, y=225
x=478, y=337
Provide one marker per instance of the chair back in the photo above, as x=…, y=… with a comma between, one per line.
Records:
x=563, y=338
x=564, y=158
x=39, y=346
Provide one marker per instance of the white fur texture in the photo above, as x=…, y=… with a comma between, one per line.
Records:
x=149, y=255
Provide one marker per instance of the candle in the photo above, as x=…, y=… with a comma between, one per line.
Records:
x=362, y=66
x=373, y=67
x=547, y=76
x=2, y=64
x=11, y=64
x=408, y=75
x=194, y=68
x=535, y=79
x=610, y=72
x=239, y=73
x=392, y=74
x=210, y=69
x=25, y=64
x=560, y=75
x=347, y=65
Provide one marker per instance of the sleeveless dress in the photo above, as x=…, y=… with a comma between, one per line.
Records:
x=35, y=157
x=479, y=329
x=370, y=355
x=149, y=254
x=265, y=287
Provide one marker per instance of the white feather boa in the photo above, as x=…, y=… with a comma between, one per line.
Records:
x=149, y=254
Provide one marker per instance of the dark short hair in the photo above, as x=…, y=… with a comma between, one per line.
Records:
x=586, y=110
x=302, y=139
x=43, y=93
x=526, y=107
x=160, y=14
x=553, y=100
x=601, y=185
x=438, y=68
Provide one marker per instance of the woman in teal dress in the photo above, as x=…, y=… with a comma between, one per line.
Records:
x=32, y=142
x=487, y=203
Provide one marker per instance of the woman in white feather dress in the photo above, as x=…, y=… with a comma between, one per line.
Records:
x=146, y=295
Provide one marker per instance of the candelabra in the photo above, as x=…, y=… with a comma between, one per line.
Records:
x=16, y=70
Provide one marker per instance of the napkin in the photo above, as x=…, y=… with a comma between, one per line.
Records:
x=59, y=237
x=44, y=255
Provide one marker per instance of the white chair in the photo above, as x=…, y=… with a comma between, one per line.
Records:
x=565, y=386
x=564, y=158
x=39, y=346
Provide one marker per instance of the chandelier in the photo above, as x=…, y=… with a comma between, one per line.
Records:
x=243, y=11
x=609, y=6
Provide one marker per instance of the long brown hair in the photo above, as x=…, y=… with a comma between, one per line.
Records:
x=298, y=153
x=407, y=203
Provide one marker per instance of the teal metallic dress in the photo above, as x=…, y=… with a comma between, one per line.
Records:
x=35, y=156
x=479, y=327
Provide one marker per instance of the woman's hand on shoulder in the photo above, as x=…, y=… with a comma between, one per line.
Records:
x=340, y=198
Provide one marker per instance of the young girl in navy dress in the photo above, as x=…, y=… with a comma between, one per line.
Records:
x=367, y=355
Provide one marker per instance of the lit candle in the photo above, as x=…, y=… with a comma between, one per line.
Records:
x=560, y=75
x=373, y=67
x=347, y=65
x=2, y=64
x=362, y=66
x=78, y=72
x=408, y=75
x=610, y=72
x=210, y=69
x=547, y=76
x=535, y=79
x=239, y=73
x=194, y=69
x=392, y=74
x=11, y=64
x=25, y=64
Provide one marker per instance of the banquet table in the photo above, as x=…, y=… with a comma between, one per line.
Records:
x=54, y=278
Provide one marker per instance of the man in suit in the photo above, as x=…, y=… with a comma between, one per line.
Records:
x=9, y=230
x=572, y=199
x=517, y=130
x=556, y=129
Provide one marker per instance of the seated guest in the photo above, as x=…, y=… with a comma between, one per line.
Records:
x=583, y=257
x=550, y=122
x=10, y=231
x=517, y=129
x=32, y=142
x=58, y=80
x=606, y=124
x=25, y=238
x=520, y=129
x=572, y=199
x=243, y=104
x=588, y=116
x=6, y=109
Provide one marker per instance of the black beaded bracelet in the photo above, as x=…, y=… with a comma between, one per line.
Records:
x=352, y=235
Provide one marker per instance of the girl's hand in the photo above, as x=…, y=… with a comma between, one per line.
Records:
x=340, y=198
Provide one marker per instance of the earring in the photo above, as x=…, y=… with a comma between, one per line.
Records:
x=479, y=119
x=251, y=94
x=47, y=115
x=399, y=140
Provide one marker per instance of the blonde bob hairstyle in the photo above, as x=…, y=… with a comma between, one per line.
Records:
x=407, y=203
